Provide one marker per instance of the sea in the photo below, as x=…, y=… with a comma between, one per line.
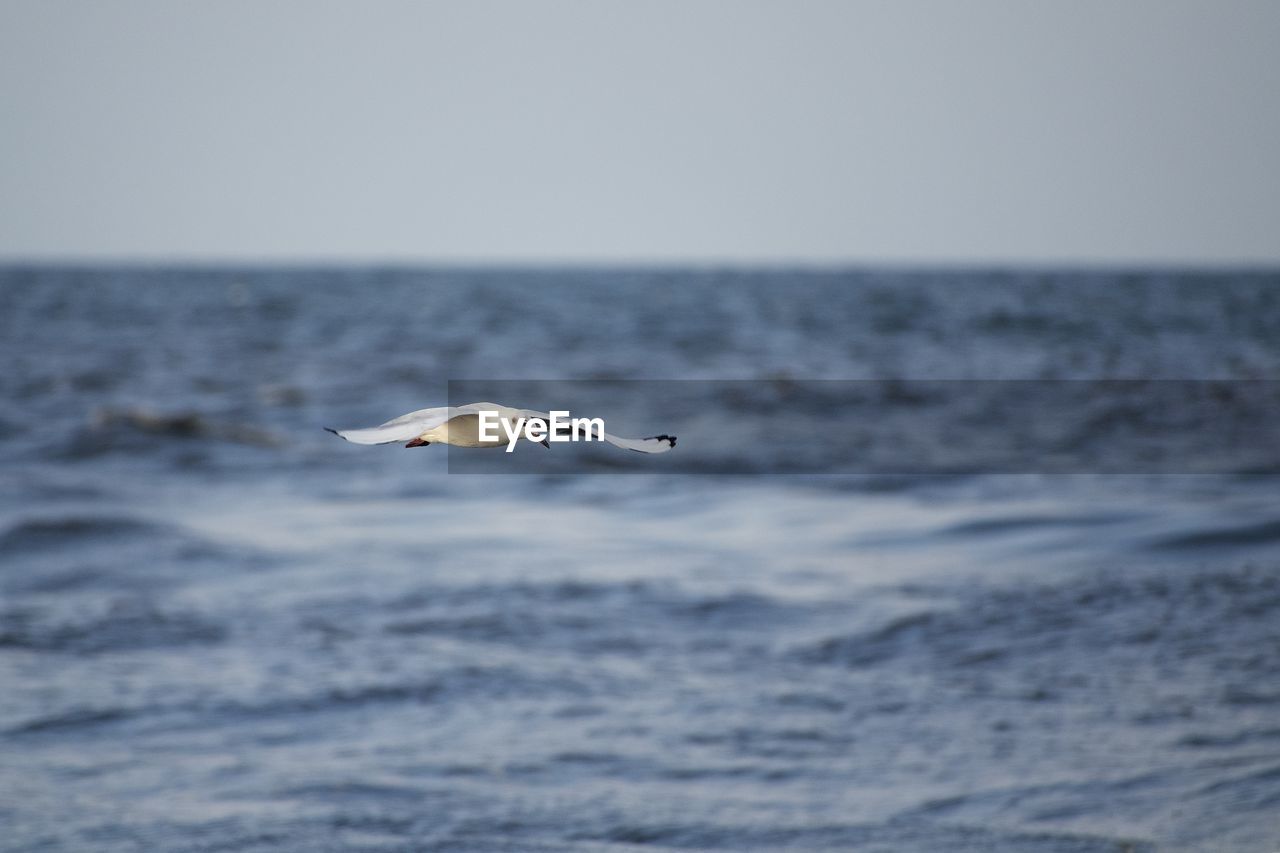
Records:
x=944, y=560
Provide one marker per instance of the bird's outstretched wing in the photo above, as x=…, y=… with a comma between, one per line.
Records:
x=403, y=428
x=653, y=444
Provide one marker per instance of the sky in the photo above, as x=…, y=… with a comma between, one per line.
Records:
x=902, y=131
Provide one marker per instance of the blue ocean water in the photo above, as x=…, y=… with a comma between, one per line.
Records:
x=223, y=629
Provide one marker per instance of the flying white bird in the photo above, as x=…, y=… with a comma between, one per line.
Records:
x=461, y=427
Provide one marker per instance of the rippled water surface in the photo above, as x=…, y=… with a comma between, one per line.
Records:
x=223, y=629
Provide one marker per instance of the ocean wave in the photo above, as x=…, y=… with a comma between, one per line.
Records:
x=113, y=428
x=68, y=720
x=73, y=530
x=1018, y=523
x=1241, y=536
x=856, y=837
x=116, y=553
x=120, y=625
x=635, y=619
x=1221, y=612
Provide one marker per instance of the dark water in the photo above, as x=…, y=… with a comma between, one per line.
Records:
x=221, y=629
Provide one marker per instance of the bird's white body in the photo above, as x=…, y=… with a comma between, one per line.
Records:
x=460, y=427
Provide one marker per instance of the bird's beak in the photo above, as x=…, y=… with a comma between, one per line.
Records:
x=417, y=442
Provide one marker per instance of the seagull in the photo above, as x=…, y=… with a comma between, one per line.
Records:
x=460, y=426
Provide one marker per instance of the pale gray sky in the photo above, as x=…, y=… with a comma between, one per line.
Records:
x=899, y=131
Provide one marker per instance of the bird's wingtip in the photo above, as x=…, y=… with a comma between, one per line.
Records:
x=669, y=440
x=334, y=431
